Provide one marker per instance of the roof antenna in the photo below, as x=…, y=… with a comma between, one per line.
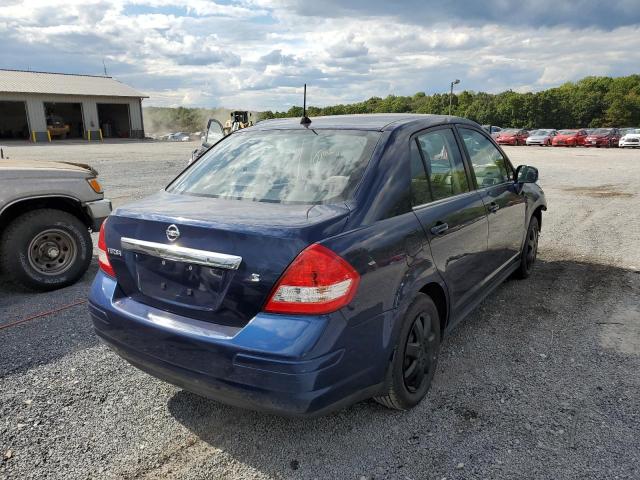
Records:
x=306, y=121
x=104, y=67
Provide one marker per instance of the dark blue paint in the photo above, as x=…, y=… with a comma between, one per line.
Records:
x=216, y=340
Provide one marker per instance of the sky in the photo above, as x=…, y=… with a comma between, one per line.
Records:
x=257, y=54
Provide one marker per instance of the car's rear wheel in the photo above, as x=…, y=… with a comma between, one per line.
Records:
x=530, y=250
x=45, y=249
x=415, y=358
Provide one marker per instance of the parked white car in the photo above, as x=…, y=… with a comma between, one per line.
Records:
x=542, y=137
x=179, y=137
x=630, y=139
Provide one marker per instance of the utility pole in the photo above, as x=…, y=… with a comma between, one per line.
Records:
x=455, y=82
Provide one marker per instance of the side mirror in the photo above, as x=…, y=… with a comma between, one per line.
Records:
x=526, y=174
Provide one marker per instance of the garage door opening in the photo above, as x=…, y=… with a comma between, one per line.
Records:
x=114, y=120
x=64, y=120
x=13, y=121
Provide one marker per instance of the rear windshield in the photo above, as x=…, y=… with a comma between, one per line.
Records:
x=567, y=132
x=281, y=166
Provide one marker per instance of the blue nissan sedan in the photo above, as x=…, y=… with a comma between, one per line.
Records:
x=298, y=268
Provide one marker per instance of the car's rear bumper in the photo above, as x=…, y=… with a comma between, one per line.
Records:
x=289, y=365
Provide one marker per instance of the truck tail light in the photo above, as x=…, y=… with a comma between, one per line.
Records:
x=318, y=281
x=103, y=258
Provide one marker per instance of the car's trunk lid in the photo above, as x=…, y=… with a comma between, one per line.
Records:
x=226, y=258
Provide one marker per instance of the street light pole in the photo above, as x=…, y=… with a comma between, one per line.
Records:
x=455, y=82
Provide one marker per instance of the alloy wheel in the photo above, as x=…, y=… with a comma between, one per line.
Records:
x=420, y=352
x=532, y=247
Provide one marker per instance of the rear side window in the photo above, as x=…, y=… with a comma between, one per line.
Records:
x=281, y=166
x=443, y=161
x=489, y=165
x=420, y=189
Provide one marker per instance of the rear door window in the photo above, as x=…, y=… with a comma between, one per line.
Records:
x=420, y=189
x=281, y=166
x=442, y=159
x=490, y=167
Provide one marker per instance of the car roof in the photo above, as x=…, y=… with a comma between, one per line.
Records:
x=369, y=121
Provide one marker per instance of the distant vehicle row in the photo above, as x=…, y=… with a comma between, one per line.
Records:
x=584, y=137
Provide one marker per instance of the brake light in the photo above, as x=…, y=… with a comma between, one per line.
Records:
x=103, y=258
x=318, y=281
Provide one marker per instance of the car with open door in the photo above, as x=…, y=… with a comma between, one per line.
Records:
x=214, y=133
x=298, y=267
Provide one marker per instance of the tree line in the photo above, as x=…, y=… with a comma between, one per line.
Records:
x=590, y=102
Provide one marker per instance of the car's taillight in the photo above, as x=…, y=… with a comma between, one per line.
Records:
x=103, y=258
x=318, y=281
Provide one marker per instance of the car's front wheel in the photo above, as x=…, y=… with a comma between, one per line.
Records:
x=530, y=250
x=415, y=358
x=45, y=249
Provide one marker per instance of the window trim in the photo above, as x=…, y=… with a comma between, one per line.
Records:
x=414, y=138
x=467, y=157
x=440, y=201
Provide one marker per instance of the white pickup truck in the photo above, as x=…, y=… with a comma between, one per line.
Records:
x=47, y=210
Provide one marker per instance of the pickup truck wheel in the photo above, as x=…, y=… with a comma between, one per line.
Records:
x=416, y=356
x=529, y=251
x=45, y=249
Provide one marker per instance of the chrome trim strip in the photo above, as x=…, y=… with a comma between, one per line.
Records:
x=182, y=254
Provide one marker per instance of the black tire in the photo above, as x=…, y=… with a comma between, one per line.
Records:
x=414, y=361
x=529, y=250
x=28, y=249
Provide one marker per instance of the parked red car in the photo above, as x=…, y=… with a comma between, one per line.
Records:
x=603, y=137
x=569, y=138
x=512, y=136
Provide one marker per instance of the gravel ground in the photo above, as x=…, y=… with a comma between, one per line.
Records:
x=541, y=381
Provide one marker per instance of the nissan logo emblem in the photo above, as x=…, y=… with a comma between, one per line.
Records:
x=172, y=233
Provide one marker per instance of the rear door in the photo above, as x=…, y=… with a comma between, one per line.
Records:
x=452, y=215
x=505, y=205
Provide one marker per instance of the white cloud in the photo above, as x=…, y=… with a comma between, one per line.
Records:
x=257, y=53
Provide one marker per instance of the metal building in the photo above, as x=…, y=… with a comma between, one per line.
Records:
x=41, y=106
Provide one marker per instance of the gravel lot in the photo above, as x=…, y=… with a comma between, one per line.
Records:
x=541, y=381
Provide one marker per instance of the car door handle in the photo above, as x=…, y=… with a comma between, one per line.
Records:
x=493, y=207
x=439, y=228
